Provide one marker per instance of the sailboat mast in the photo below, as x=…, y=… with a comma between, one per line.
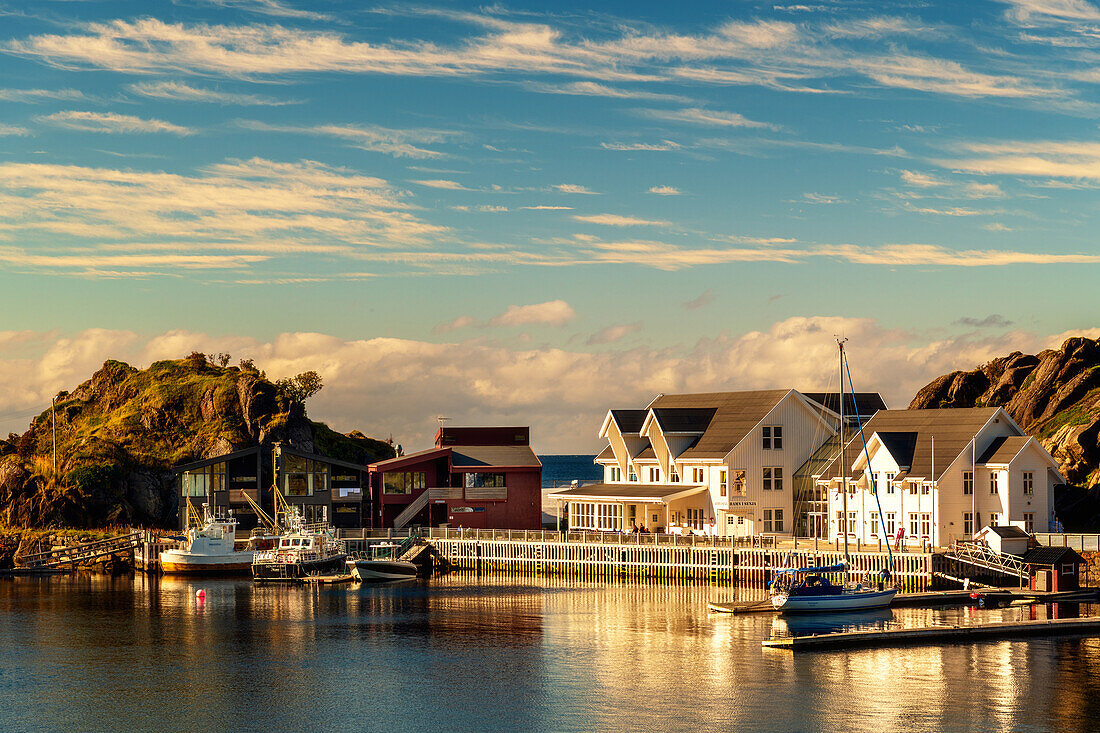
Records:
x=843, y=451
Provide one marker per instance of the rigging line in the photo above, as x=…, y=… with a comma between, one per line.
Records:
x=867, y=467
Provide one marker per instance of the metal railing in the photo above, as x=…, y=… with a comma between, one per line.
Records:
x=982, y=556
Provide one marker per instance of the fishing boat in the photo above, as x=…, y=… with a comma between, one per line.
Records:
x=208, y=549
x=801, y=590
x=303, y=550
x=382, y=562
x=808, y=589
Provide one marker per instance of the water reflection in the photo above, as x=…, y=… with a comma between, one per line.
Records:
x=461, y=653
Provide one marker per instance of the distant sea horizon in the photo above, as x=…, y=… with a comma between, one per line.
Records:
x=560, y=469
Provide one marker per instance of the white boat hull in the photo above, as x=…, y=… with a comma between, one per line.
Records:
x=181, y=562
x=368, y=570
x=854, y=601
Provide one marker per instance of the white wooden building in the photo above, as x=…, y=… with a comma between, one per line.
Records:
x=719, y=463
x=939, y=475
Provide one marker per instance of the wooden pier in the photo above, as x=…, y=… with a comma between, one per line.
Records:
x=938, y=634
x=600, y=556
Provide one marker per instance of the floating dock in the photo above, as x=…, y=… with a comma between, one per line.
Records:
x=938, y=635
x=927, y=599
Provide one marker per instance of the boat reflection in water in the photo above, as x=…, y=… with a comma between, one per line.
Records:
x=805, y=624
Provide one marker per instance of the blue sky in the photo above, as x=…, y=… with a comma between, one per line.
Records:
x=644, y=191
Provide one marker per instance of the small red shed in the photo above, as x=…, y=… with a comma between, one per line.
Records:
x=1053, y=569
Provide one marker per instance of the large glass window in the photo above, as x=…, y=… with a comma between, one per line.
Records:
x=204, y=481
x=303, y=476
x=404, y=482
x=585, y=515
x=483, y=480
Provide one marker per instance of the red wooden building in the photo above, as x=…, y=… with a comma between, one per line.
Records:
x=485, y=478
x=1053, y=568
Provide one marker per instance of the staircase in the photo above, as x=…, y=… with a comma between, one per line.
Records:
x=976, y=555
x=79, y=553
x=412, y=509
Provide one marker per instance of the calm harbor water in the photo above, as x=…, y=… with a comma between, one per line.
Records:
x=459, y=653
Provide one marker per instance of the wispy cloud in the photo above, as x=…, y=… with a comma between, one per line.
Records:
x=611, y=334
x=572, y=188
x=186, y=93
x=1052, y=159
x=614, y=220
x=994, y=320
x=706, y=117
x=13, y=130
x=550, y=313
x=39, y=95
x=398, y=143
x=443, y=183
x=111, y=122
x=704, y=299
x=547, y=208
x=664, y=190
x=663, y=145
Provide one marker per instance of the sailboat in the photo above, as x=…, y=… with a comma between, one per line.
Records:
x=808, y=589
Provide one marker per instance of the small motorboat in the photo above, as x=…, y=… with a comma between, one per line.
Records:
x=804, y=590
x=381, y=563
x=208, y=550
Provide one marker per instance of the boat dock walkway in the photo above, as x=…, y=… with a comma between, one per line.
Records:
x=938, y=634
x=933, y=598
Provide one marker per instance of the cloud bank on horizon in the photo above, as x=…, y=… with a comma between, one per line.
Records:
x=388, y=386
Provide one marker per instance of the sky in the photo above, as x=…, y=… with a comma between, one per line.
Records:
x=523, y=213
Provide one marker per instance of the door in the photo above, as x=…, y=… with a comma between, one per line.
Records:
x=816, y=524
x=742, y=526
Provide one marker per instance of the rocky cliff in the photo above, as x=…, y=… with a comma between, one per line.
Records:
x=119, y=433
x=1053, y=395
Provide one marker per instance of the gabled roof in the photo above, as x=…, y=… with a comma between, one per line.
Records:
x=901, y=447
x=1051, y=556
x=607, y=454
x=645, y=454
x=1008, y=532
x=735, y=415
x=858, y=403
x=503, y=456
x=690, y=420
x=953, y=429
x=219, y=459
x=629, y=421
x=391, y=464
x=1003, y=449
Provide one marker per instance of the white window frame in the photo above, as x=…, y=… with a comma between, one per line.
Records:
x=772, y=478
x=771, y=437
x=1028, y=482
x=993, y=483
x=968, y=483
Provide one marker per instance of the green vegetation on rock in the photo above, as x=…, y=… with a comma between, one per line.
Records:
x=120, y=433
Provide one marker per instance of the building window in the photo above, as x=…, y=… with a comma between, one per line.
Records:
x=773, y=520
x=925, y=524
x=890, y=486
x=968, y=523
x=1029, y=522
x=404, y=482
x=840, y=528
x=773, y=437
x=968, y=482
x=891, y=523
x=674, y=476
x=303, y=476
x=993, y=482
x=1068, y=568
x=773, y=478
x=723, y=479
x=874, y=524
x=616, y=474
x=633, y=475
x=609, y=517
x=483, y=480
x=654, y=475
x=582, y=515
x=698, y=475
x=1029, y=483
x=203, y=481
x=925, y=488
x=914, y=525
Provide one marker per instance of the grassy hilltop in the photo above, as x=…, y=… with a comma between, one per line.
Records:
x=120, y=432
